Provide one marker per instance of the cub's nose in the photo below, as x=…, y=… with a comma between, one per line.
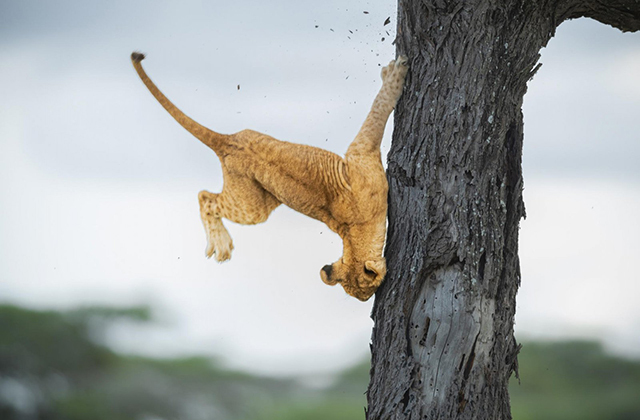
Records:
x=328, y=269
x=325, y=274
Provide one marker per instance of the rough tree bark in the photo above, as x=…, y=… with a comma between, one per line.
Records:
x=443, y=344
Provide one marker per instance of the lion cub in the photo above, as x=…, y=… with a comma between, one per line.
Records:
x=348, y=194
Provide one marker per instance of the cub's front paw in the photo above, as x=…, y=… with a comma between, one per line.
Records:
x=395, y=71
x=393, y=77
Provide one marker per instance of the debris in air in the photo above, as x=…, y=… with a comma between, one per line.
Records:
x=382, y=39
x=238, y=87
x=388, y=21
x=365, y=12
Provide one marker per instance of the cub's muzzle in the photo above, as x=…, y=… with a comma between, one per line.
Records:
x=325, y=274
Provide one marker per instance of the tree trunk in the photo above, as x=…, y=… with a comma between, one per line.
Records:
x=443, y=344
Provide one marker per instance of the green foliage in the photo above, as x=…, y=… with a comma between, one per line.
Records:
x=324, y=409
x=51, y=368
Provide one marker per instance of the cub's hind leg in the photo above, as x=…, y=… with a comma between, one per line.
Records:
x=242, y=201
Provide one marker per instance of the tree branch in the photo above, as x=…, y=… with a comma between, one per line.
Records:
x=621, y=14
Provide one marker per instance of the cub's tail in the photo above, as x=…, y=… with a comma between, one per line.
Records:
x=214, y=140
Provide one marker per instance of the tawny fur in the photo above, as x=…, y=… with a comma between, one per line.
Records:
x=348, y=194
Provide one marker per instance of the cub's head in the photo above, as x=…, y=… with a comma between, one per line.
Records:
x=359, y=279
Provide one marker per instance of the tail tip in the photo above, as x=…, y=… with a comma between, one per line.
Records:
x=137, y=57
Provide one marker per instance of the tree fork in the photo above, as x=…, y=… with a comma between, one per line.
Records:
x=443, y=344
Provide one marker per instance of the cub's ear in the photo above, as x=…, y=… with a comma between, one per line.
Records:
x=376, y=267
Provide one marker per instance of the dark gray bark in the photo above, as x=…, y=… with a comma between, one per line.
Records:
x=443, y=344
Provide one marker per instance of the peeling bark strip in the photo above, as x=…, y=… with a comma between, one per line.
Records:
x=443, y=344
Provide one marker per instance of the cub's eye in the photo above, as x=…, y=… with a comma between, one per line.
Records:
x=369, y=272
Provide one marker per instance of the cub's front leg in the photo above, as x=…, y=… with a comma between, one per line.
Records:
x=368, y=140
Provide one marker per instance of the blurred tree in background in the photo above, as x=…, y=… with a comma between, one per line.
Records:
x=575, y=380
x=52, y=366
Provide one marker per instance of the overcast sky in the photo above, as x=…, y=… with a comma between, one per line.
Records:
x=98, y=192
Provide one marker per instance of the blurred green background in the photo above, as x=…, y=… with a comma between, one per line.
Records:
x=56, y=365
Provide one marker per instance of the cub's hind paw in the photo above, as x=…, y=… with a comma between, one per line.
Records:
x=219, y=243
